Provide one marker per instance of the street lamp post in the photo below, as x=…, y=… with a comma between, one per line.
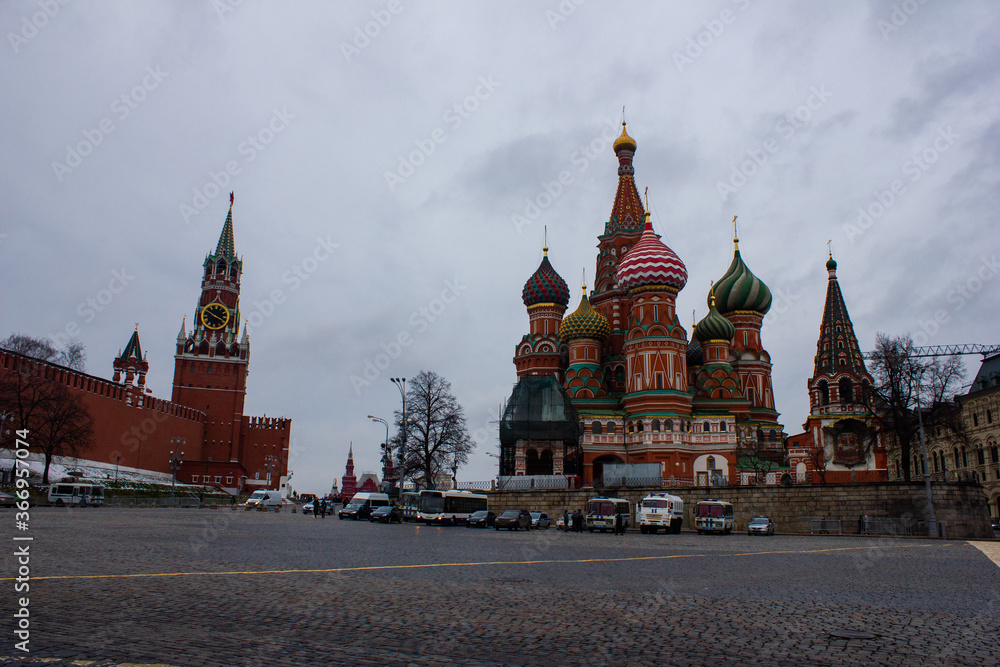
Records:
x=270, y=463
x=176, y=460
x=401, y=385
x=386, y=455
x=932, y=528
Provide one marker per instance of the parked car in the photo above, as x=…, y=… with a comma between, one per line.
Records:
x=481, y=519
x=540, y=520
x=513, y=519
x=760, y=525
x=7, y=500
x=308, y=508
x=386, y=514
x=561, y=523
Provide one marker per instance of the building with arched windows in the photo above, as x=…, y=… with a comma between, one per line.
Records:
x=840, y=442
x=619, y=380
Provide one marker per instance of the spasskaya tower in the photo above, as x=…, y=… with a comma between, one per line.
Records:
x=211, y=365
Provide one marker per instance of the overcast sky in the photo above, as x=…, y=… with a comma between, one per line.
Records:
x=395, y=162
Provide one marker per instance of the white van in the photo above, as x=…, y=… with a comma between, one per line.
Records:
x=362, y=504
x=601, y=513
x=713, y=516
x=76, y=493
x=660, y=510
x=265, y=500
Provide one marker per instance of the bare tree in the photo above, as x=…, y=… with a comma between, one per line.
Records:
x=818, y=457
x=903, y=382
x=436, y=435
x=754, y=454
x=73, y=356
x=56, y=418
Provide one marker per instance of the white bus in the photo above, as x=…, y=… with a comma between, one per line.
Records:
x=409, y=504
x=76, y=493
x=601, y=513
x=713, y=516
x=448, y=507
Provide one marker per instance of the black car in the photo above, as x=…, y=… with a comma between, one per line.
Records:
x=386, y=514
x=513, y=519
x=481, y=519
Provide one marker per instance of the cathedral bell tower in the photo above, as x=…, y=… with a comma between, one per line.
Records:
x=211, y=363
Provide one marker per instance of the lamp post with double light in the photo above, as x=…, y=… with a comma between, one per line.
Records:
x=176, y=460
x=401, y=385
x=387, y=471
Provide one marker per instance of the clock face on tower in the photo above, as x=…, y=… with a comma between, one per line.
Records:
x=214, y=316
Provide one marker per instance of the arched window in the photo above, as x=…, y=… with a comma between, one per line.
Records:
x=655, y=425
x=722, y=427
x=234, y=270
x=203, y=347
x=595, y=428
x=936, y=468
x=958, y=461
x=989, y=417
x=975, y=419
x=824, y=392
x=668, y=425
x=612, y=429
x=707, y=427
x=629, y=427
x=220, y=269
x=965, y=458
x=846, y=390
x=220, y=349
x=711, y=463
x=982, y=457
x=772, y=435
x=638, y=426
x=995, y=454
x=208, y=271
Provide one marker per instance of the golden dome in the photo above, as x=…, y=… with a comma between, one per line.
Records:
x=624, y=142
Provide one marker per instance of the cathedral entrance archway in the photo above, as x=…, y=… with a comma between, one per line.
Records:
x=538, y=463
x=599, y=463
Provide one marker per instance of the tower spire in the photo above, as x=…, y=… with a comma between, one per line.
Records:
x=226, y=247
x=736, y=236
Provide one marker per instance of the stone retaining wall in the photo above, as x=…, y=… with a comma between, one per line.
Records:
x=962, y=508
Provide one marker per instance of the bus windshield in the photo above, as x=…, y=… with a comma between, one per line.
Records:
x=710, y=510
x=430, y=503
x=654, y=503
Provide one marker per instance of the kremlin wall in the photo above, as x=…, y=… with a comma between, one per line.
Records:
x=132, y=429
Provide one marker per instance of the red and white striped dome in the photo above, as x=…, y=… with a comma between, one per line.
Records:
x=651, y=262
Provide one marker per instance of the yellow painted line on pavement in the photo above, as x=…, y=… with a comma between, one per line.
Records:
x=375, y=568
x=991, y=549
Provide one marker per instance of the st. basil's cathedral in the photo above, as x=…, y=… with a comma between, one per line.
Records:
x=619, y=380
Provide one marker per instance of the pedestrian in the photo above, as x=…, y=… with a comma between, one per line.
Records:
x=577, y=521
x=866, y=524
x=619, y=524
x=566, y=520
x=315, y=505
x=322, y=508
x=861, y=524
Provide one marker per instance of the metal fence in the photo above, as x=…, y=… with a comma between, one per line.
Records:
x=526, y=482
x=883, y=525
x=143, y=501
x=825, y=527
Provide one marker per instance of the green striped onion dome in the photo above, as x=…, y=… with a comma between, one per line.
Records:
x=740, y=289
x=545, y=286
x=714, y=326
x=695, y=355
x=584, y=322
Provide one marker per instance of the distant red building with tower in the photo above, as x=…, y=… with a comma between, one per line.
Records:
x=204, y=419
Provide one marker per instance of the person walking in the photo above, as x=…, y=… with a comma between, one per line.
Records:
x=619, y=524
x=322, y=508
x=566, y=520
x=861, y=524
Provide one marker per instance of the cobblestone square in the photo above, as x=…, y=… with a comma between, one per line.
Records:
x=222, y=587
